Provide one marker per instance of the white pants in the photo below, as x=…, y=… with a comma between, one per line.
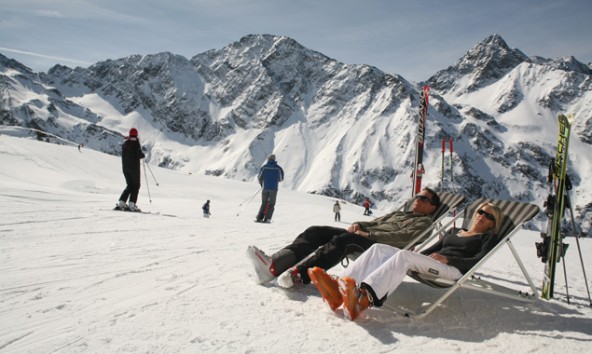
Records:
x=384, y=267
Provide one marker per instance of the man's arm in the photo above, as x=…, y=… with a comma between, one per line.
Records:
x=400, y=237
x=260, y=176
x=139, y=151
x=377, y=221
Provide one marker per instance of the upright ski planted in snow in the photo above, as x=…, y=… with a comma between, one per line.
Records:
x=442, y=175
x=418, y=169
x=555, y=205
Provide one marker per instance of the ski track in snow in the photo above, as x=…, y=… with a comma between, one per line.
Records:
x=77, y=277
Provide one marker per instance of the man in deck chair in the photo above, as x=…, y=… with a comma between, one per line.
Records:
x=332, y=244
x=379, y=271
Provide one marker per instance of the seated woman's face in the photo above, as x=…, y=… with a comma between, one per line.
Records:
x=483, y=220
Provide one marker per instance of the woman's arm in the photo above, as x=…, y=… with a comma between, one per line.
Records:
x=473, y=256
x=438, y=245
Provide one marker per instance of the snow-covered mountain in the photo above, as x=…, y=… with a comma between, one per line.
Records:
x=341, y=130
x=506, y=105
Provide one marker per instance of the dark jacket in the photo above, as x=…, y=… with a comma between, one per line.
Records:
x=270, y=175
x=463, y=252
x=397, y=229
x=131, y=153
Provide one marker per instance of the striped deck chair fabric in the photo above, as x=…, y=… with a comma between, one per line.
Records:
x=515, y=214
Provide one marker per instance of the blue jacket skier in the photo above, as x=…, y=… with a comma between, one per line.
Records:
x=270, y=175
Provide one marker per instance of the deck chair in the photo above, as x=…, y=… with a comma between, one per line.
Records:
x=448, y=202
x=514, y=215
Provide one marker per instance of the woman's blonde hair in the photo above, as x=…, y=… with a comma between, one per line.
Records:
x=497, y=214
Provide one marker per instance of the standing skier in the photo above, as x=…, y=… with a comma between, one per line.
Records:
x=269, y=177
x=206, y=209
x=367, y=207
x=337, y=211
x=131, y=153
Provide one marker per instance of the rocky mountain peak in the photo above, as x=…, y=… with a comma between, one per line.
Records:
x=487, y=61
x=571, y=64
x=493, y=56
x=7, y=63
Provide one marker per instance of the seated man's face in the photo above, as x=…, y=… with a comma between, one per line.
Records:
x=423, y=203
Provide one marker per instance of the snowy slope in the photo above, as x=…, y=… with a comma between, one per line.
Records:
x=77, y=277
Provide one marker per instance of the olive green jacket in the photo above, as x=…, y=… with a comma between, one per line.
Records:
x=397, y=229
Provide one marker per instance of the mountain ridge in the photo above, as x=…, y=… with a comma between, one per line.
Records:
x=342, y=130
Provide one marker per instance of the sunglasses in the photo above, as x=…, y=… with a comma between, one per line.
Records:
x=423, y=198
x=486, y=214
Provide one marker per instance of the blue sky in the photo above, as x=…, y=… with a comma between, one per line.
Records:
x=413, y=38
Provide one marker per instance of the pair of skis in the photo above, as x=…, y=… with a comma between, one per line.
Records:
x=418, y=169
x=552, y=248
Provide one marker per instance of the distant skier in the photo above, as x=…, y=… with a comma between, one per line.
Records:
x=269, y=177
x=206, y=209
x=131, y=153
x=337, y=211
x=367, y=205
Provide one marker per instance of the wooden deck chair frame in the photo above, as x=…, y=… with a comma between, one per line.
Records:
x=515, y=214
x=449, y=202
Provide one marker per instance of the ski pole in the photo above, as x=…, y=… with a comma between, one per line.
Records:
x=451, y=167
x=149, y=169
x=451, y=171
x=583, y=269
x=442, y=175
x=247, y=201
x=146, y=178
x=565, y=272
x=578, y=234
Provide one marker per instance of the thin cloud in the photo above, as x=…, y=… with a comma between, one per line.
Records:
x=48, y=13
x=44, y=56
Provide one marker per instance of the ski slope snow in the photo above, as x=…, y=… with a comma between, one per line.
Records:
x=77, y=277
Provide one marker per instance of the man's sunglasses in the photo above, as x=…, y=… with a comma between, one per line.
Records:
x=423, y=198
x=486, y=214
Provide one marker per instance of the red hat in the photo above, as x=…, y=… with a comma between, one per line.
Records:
x=133, y=132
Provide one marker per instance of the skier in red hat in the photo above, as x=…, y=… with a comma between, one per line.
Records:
x=130, y=158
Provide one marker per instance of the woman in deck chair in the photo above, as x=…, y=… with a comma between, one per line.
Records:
x=380, y=270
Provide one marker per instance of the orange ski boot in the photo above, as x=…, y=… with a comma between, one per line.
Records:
x=327, y=286
x=355, y=299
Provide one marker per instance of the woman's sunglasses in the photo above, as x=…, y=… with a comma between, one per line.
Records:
x=486, y=214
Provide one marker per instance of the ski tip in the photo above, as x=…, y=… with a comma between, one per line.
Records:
x=569, y=118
